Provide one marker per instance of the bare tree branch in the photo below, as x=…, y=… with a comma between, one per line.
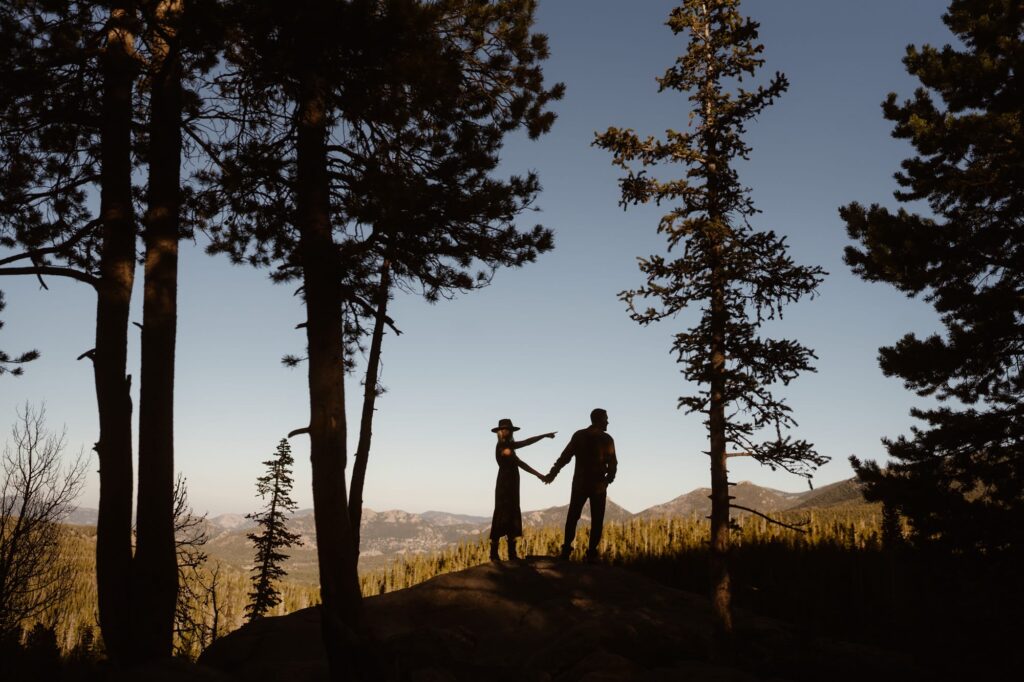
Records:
x=37, y=492
x=768, y=518
x=55, y=271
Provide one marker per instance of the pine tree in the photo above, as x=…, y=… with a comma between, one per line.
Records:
x=368, y=135
x=273, y=535
x=959, y=477
x=180, y=42
x=739, y=277
x=65, y=125
x=67, y=115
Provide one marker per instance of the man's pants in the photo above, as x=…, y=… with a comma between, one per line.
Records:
x=576, y=502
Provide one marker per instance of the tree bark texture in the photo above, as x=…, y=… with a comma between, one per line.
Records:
x=339, y=582
x=721, y=588
x=355, y=512
x=113, y=398
x=721, y=591
x=156, y=575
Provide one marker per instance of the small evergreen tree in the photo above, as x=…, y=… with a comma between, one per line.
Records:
x=272, y=535
x=959, y=477
x=740, y=277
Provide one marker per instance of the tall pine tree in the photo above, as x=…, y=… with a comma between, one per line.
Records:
x=66, y=126
x=368, y=136
x=272, y=536
x=77, y=73
x=739, y=277
x=959, y=477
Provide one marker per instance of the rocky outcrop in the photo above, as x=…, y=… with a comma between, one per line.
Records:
x=545, y=620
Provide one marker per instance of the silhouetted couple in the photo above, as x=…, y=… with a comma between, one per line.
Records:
x=594, y=452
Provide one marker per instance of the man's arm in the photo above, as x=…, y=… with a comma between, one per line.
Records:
x=567, y=454
x=612, y=463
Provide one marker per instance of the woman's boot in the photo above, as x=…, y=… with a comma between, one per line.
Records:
x=494, y=551
x=512, y=549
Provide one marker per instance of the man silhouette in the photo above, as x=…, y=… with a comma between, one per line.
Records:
x=594, y=451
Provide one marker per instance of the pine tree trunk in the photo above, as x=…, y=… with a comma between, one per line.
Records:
x=339, y=582
x=355, y=512
x=113, y=398
x=155, y=561
x=721, y=591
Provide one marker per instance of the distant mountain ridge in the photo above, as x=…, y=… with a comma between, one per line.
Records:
x=83, y=516
x=441, y=518
x=555, y=516
x=388, y=535
x=840, y=493
x=767, y=500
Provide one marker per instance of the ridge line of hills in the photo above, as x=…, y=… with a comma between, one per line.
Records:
x=388, y=535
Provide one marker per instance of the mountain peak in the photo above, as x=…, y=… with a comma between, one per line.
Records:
x=767, y=500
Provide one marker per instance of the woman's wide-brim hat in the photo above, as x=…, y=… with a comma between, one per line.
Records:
x=504, y=424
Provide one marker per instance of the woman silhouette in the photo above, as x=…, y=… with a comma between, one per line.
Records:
x=508, y=518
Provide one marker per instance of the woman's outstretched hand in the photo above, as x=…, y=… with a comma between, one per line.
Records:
x=550, y=435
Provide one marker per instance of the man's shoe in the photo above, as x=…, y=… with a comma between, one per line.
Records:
x=593, y=557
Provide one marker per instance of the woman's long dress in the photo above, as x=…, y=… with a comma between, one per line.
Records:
x=508, y=518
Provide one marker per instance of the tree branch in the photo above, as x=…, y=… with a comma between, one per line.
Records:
x=74, y=239
x=768, y=518
x=39, y=271
x=211, y=152
x=373, y=311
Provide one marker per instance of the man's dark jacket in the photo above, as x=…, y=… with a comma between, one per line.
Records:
x=594, y=451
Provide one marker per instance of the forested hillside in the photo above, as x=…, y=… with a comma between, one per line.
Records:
x=629, y=540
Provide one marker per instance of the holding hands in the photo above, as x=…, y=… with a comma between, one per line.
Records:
x=550, y=476
x=522, y=444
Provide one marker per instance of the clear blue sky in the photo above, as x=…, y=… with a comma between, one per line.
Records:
x=546, y=343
